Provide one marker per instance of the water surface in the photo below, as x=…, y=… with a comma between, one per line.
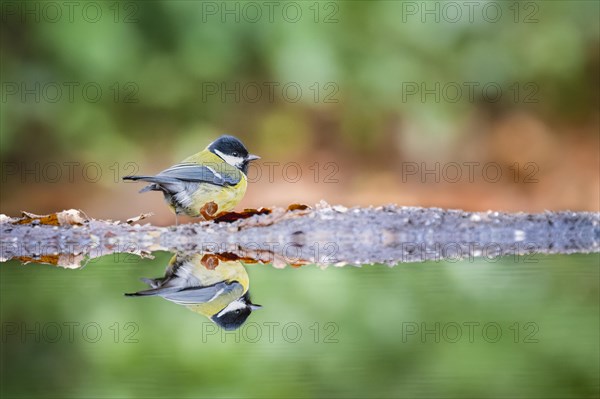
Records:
x=510, y=327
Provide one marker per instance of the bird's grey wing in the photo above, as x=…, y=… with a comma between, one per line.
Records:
x=196, y=295
x=196, y=173
x=175, y=178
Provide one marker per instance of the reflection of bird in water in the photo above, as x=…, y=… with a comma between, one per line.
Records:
x=215, y=288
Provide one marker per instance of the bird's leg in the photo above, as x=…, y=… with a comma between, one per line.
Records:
x=176, y=221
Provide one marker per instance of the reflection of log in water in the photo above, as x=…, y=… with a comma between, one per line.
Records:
x=324, y=235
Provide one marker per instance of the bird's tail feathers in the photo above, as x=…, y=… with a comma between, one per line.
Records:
x=158, y=182
x=161, y=291
x=156, y=285
x=152, y=282
x=150, y=187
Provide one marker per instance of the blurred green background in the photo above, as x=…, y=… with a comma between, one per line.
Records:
x=342, y=100
x=353, y=94
x=177, y=353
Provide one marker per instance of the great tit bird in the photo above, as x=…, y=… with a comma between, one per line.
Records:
x=205, y=184
x=217, y=289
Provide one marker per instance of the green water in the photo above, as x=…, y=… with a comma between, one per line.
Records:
x=524, y=327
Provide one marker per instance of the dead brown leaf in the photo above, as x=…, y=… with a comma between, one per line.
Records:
x=69, y=217
x=138, y=218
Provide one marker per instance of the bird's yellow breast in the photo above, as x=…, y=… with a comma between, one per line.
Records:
x=225, y=197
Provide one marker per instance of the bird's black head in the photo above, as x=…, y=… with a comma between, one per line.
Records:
x=232, y=151
x=234, y=315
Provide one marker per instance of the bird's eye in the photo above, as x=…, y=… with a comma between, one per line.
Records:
x=238, y=311
x=235, y=154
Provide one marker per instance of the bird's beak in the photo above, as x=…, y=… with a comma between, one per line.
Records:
x=252, y=157
x=255, y=307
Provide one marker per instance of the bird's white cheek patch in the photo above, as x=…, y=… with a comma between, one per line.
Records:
x=237, y=304
x=230, y=159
